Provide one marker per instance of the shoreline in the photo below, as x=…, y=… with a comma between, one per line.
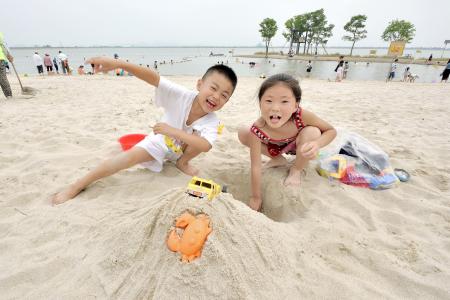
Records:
x=374, y=59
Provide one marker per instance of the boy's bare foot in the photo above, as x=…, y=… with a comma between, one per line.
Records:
x=294, y=177
x=68, y=193
x=187, y=168
x=277, y=161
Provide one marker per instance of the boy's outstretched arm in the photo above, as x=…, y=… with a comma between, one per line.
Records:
x=105, y=64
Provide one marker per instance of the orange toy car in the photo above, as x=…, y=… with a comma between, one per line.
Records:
x=196, y=230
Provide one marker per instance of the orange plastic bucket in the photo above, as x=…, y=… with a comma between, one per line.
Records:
x=128, y=141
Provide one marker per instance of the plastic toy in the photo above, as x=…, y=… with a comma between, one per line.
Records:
x=352, y=171
x=203, y=188
x=402, y=175
x=335, y=167
x=196, y=231
x=130, y=140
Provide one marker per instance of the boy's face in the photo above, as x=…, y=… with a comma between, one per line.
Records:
x=214, y=91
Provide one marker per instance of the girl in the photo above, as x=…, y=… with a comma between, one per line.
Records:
x=284, y=127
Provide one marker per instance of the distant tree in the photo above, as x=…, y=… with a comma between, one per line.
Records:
x=309, y=28
x=399, y=30
x=320, y=29
x=356, y=29
x=268, y=29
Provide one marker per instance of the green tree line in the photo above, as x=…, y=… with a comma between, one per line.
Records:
x=313, y=30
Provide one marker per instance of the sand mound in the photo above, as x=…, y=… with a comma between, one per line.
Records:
x=125, y=255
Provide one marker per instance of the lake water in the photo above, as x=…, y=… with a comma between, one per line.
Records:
x=194, y=61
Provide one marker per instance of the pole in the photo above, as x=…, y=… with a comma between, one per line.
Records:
x=18, y=78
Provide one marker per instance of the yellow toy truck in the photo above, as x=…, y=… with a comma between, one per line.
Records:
x=204, y=188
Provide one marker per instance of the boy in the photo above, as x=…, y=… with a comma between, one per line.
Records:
x=188, y=127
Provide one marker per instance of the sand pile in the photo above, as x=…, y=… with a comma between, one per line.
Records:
x=123, y=253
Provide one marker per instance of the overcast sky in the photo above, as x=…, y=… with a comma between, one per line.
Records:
x=205, y=22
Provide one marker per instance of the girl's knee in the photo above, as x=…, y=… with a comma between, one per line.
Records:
x=309, y=133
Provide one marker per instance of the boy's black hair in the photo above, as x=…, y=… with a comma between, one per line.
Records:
x=225, y=71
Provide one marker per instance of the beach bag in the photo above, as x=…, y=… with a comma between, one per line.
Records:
x=358, y=162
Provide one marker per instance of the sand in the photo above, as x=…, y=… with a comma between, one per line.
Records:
x=322, y=240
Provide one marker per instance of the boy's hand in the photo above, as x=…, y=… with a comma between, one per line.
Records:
x=104, y=64
x=309, y=150
x=10, y=58
x=163, y=128
x=255, y=203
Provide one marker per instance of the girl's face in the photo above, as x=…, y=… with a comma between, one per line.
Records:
x=277, y=105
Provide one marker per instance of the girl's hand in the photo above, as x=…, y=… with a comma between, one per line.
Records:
x=163, y=128
x=255, y=203
x=309, y=150
x=104, y=64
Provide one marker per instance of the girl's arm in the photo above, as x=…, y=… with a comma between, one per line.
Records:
x=310, y=149
x=255, y=158
x=105, y=64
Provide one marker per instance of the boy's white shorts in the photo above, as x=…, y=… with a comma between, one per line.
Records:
x=157, y=148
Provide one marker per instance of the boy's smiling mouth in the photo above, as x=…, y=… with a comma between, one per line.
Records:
x=210, y=103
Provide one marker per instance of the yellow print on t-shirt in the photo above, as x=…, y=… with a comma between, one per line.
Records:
x=173, y=145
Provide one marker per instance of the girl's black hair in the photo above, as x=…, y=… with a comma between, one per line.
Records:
x=285, y=79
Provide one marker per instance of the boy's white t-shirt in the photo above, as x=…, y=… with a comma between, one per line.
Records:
x=177, y=102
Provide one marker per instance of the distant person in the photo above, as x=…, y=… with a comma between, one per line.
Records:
x=48, y=63
x=430, y=58
x=446, y=72
x=189, y=125
x=155, y=65
x=64, y=62
x=341, y=60
x=345, y=71
x=4, y=57
x=392, y=70
x=340, y=72
x=308, y=67
x=80, y=70
x=38, y=62
x=413, y=77
x=55, y=64
x=406, y=74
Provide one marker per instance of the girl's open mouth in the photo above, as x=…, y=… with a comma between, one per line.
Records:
x=275, y=119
